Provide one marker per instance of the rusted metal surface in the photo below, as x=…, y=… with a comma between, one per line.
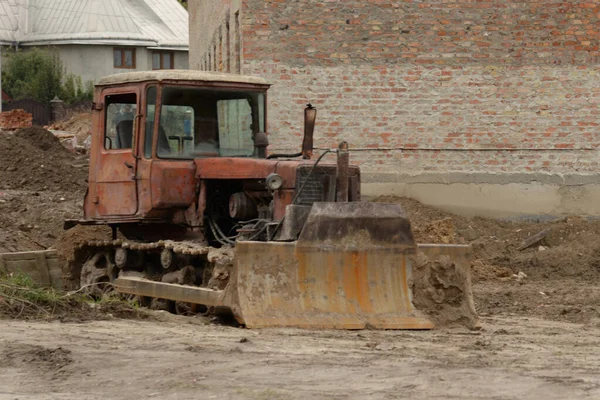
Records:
x=354, y=266
x=357, y=226
x=293, y=222
x=310, y=116
x=282, y=285
x=350, y=269
x=173, y=183
x=126, y=186
x=161, y=290
x=343, y=166
x=112, y=182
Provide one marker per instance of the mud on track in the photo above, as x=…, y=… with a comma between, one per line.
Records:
x=182, y=358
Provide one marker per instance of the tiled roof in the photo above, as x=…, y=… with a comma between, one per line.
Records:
x=9, y=13
x=161, y=23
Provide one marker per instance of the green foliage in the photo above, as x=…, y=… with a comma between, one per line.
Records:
x=20, y=297
x=39, y=74
x=19, y=290
x=33, y=74
x=184, y=3
x=74, y=89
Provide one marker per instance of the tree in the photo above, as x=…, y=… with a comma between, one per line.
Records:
x=39, y=74
x=34, y=73
x=184, y=3
x=74, y=89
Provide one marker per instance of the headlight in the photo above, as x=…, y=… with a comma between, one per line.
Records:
x=274, y=181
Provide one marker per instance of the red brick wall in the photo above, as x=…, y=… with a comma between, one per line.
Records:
x=15, y=119
x=432, y=32
x=441, y=84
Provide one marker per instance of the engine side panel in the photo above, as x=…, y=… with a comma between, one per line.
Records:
x=173, y=184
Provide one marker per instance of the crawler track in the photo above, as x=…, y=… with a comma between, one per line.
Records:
x=179, y=262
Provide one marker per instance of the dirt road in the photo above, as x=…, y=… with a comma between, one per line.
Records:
x=184, y=358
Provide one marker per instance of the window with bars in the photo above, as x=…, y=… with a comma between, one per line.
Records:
x=123, y=57
x=163, y=60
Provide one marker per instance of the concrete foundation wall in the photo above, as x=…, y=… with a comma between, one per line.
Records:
x=494, y=195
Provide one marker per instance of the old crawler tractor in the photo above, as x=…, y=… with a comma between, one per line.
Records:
x=179, y=170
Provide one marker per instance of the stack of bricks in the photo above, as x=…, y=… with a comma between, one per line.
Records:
x=15, y=119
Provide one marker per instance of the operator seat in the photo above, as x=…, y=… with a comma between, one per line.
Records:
x=124, y=134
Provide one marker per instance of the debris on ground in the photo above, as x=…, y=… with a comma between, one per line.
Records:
x=80, y=125
x=533, y=240
x=21, y=298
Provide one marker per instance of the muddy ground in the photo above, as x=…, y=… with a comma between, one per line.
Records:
x=539, y=308
x=182, y=358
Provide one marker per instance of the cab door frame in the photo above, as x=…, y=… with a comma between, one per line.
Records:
x=116, y=193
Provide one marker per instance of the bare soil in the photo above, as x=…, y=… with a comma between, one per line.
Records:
x=33, y=159
x=33, y=220
x=186, y=358
x=539, y=309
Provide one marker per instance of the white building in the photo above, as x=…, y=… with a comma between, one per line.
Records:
x=95, y=38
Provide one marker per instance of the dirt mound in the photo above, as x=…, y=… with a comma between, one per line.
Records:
x=80, y=125
x=440, y=231
x=41, y=139
x=570, y=247
x=483, y=271
x=34, y=159
x=31, y=220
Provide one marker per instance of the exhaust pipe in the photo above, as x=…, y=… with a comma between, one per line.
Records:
x=310, y=116
x=343, y=166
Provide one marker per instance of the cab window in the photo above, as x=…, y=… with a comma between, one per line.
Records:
x=204, y=122
x=118, y=125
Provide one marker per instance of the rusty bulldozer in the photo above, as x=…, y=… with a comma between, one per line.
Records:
x=206, y=220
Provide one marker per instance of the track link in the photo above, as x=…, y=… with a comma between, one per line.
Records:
x=178, y=262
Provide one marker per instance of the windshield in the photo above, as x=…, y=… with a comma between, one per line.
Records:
x=200, y=122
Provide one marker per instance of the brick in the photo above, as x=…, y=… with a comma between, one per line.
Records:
x=525, y=79
x=15, y=119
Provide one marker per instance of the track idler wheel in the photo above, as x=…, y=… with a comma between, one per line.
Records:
x=97, y=274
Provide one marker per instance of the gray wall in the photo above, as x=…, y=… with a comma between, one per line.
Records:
x=93, y=62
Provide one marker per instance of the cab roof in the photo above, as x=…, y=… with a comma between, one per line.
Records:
x=179, y=75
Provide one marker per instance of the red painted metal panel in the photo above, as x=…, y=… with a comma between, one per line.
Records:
x=173, y=183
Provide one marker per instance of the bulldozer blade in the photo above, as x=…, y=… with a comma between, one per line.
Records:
x=354, y=266
x=350, y=269
x=442, y=284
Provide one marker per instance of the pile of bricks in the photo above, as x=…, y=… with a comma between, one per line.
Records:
x=15, y=119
